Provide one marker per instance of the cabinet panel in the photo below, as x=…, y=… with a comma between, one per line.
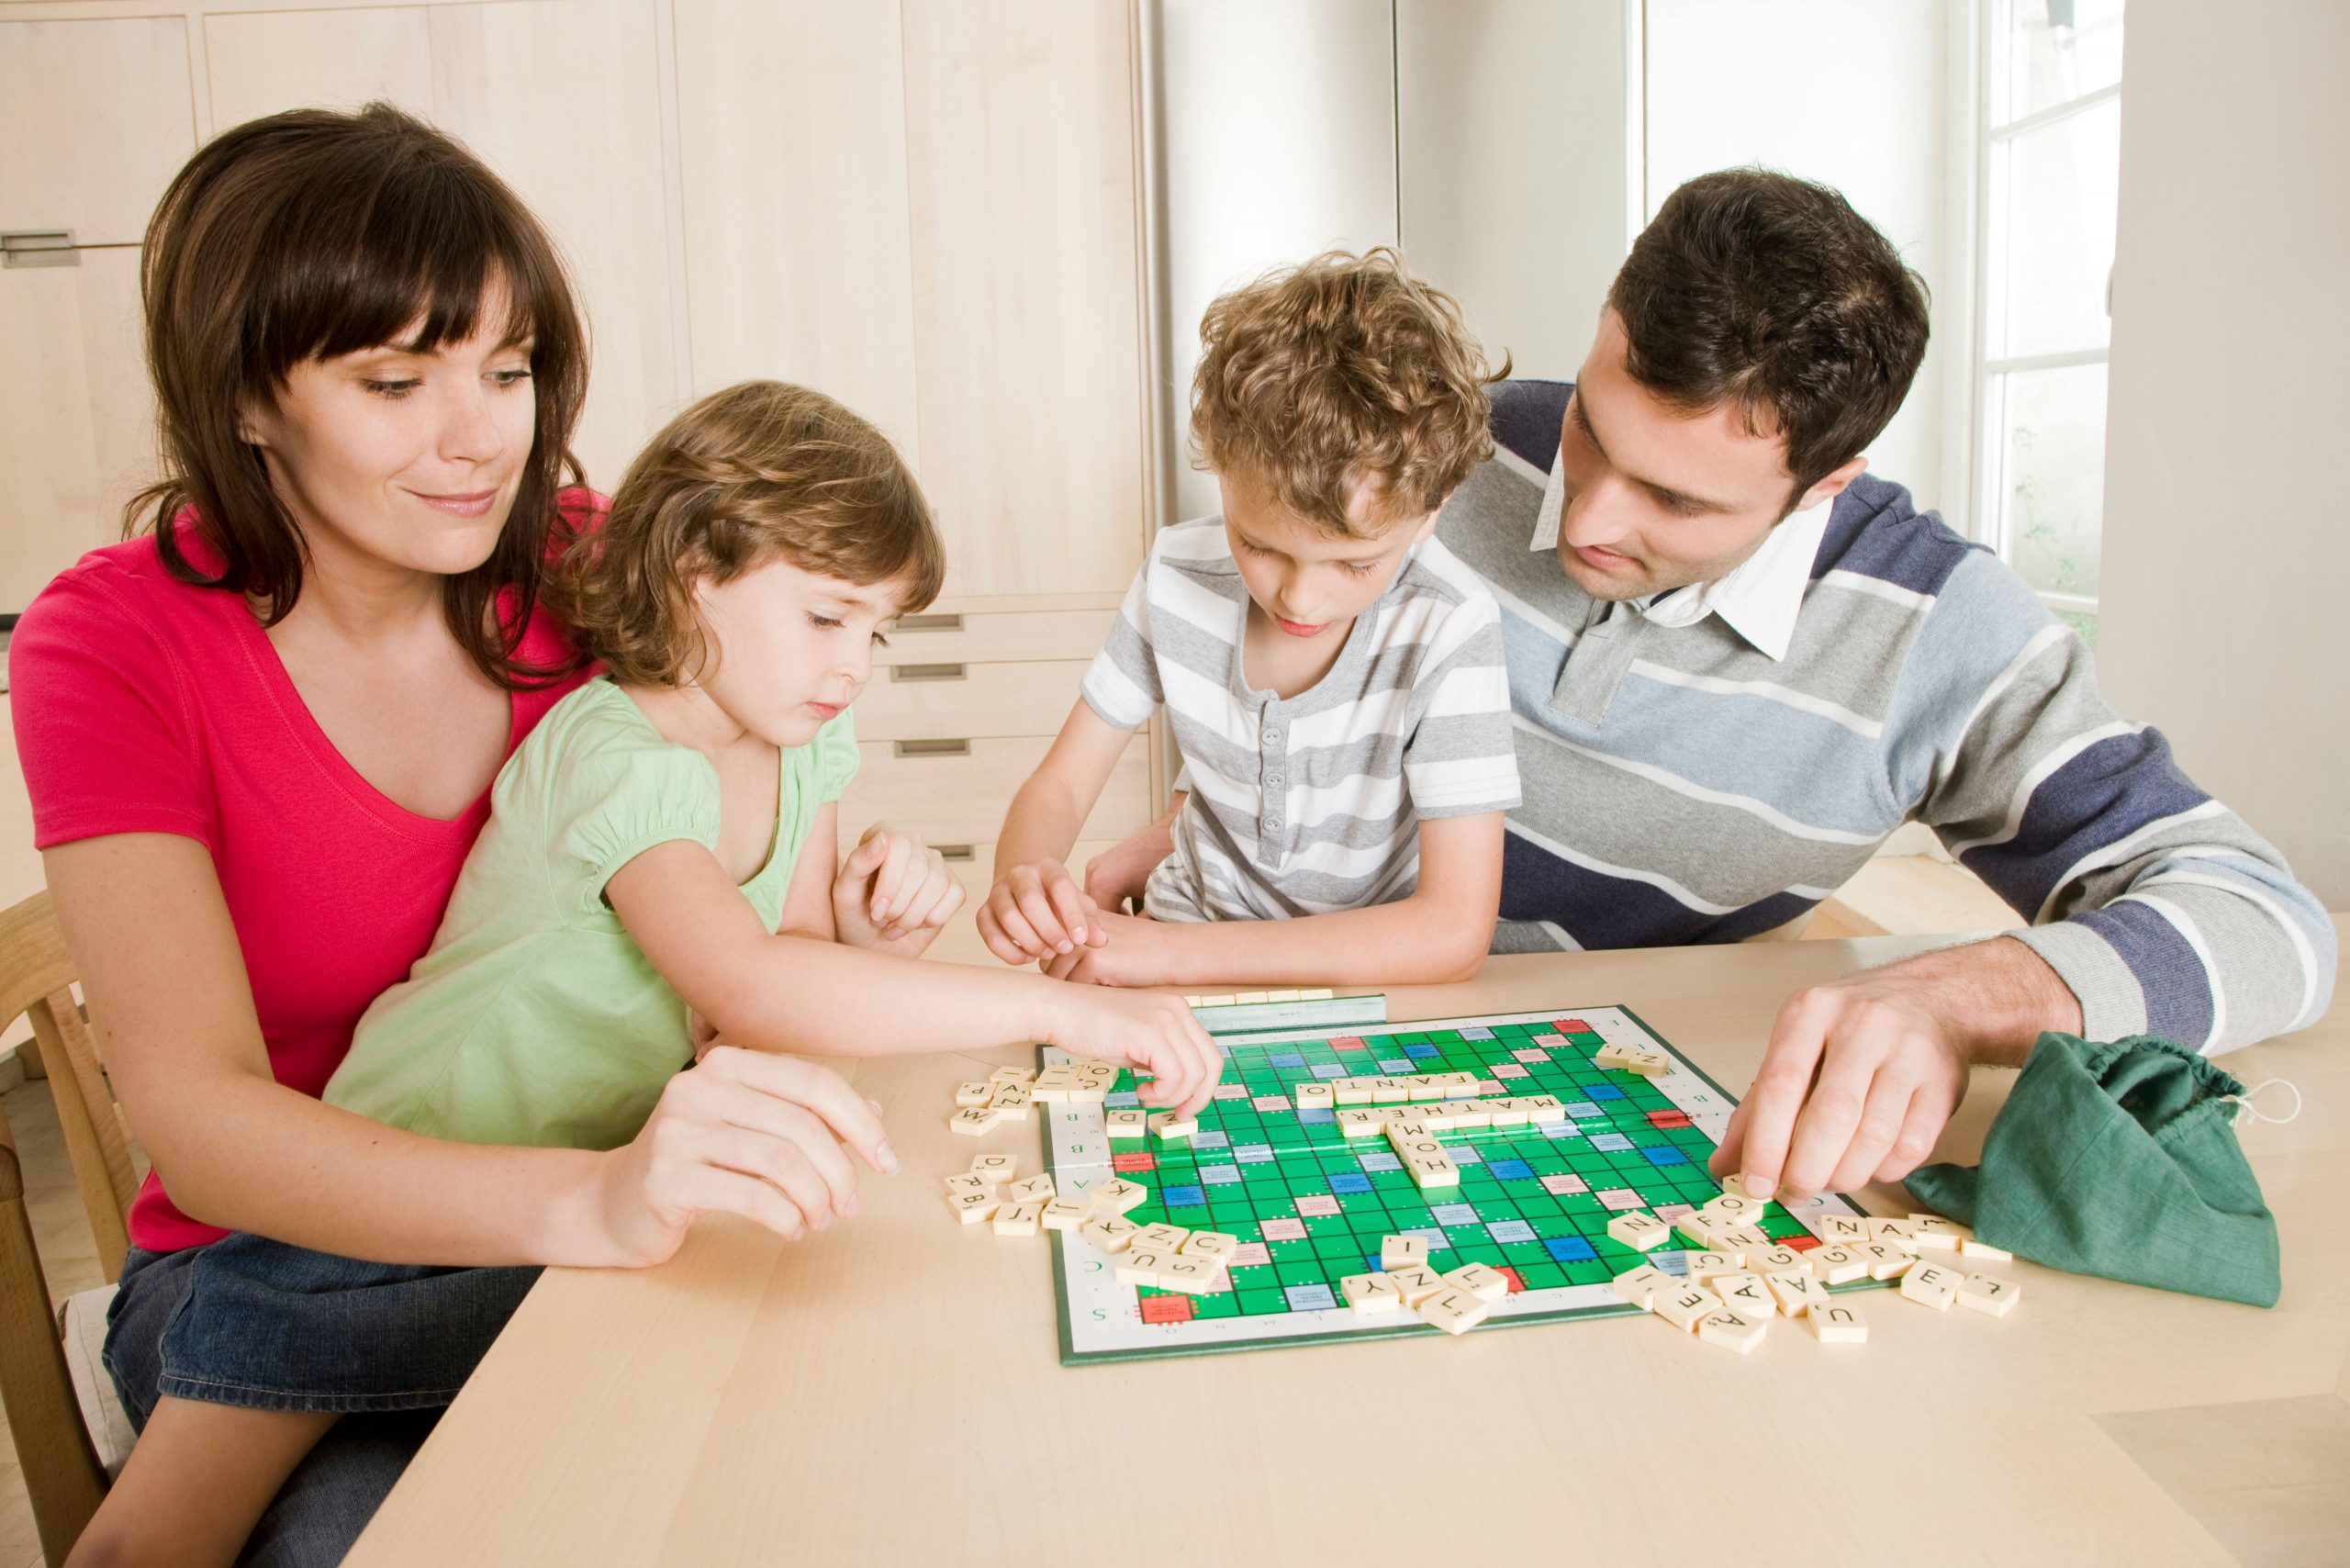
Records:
x=992, y=635
x=1027, y=290
x=578, y=135
x=918, y=701
x=77, y=433
x=961, y=798
x=95, y=117
x=792, y=142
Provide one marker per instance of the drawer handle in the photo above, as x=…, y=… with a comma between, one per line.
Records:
x=927, y=672
x=931, y=748
x=929, y=624
x=953, y=852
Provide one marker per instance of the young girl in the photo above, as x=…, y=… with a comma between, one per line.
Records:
x=661, y=845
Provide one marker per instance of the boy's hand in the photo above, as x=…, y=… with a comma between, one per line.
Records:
x=1135, y=951
x=892, y=894
x=1120, y=874
x=1152, y=1033
x=1038, y=911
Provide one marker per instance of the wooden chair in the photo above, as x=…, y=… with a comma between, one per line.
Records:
x=51, y=1412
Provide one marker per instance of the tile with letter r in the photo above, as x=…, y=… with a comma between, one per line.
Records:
x=1568, y=1249
x=1286, y=1058
x=1184, y=1197
x=1611, y=1143
x=1510, y=1170
x=1347, y=1184
x=1310, y=1298
x=1508, y=1230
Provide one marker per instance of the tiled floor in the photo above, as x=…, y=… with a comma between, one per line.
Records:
x=1912, y=893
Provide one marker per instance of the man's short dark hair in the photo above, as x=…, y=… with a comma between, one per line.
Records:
x=1770, y=292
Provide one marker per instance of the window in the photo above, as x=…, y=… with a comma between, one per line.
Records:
x=2051, y=164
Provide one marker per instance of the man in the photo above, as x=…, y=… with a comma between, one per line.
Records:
x=1738, y=663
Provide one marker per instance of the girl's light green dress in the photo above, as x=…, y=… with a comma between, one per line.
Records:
x=535, y=1019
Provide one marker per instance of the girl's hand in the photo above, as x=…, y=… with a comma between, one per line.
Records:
x=1150, y=1032
x=1038, y=911
x=1135, y=951
x=743, y=1133
x=892, y=894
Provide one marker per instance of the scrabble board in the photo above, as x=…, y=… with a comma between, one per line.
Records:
x=1311, y=1206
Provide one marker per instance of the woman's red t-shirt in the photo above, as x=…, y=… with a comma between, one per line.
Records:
x=145, y=704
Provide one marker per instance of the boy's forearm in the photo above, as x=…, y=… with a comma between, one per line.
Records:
x=1043, y=823
x=1410, y=942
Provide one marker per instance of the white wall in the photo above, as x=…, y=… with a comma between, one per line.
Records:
x=1854, y=94
x=2226, y=552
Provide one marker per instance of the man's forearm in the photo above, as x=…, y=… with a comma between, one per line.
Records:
x=1995, y=997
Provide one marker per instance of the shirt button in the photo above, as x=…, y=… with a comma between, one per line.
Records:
x=1272, y=777
x=1272, y=732
x=1272, y=822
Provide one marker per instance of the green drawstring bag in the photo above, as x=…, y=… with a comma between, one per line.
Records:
x=2119, y=1160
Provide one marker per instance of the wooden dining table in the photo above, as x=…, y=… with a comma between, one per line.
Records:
x=891, y=1391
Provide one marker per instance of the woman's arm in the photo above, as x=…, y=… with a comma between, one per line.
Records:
x=1441, y=933
x=174, y=1023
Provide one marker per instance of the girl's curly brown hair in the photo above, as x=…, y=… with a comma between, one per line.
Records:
x=1316, y=380
x=759, y=472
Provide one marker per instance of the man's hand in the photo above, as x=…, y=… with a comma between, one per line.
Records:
x=1116, y=878
x=1863, y=1073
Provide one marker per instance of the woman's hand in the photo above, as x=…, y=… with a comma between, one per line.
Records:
x=743, y=1133
x=1150, y=1032
x=892, y=894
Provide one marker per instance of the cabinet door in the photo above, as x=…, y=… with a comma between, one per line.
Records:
x=77, y=422
x=76, y=418
x=792, y=146
x=562, y=98
x=1028, y=320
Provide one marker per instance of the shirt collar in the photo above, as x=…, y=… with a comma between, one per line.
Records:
x=1759, y=599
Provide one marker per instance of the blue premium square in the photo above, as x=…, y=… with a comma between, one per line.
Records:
x=1605, y=1092
x=1568, y=1249
x=1286, y=1059
x=1346, y=1185
x=1511, y=1170
x=1668, y=1155
x=1182, y=1197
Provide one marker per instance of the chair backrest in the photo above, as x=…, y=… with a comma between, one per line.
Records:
x=36, y=980
x=63, y=1475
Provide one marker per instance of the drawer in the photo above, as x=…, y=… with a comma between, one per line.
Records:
x=989, y=636
x=939, y=701
x=959, y=942
x=959, y=796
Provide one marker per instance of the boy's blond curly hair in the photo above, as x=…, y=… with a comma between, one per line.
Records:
x=760, y=471
x=1318, y=380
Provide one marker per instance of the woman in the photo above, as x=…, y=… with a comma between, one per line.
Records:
x=258, y=739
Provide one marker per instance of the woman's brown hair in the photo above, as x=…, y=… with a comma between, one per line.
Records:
x=311, y=234
x=760, y=471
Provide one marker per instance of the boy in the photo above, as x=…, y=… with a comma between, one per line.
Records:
x=1333, y=676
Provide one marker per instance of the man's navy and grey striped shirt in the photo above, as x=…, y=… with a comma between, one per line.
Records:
x=1682, y=785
